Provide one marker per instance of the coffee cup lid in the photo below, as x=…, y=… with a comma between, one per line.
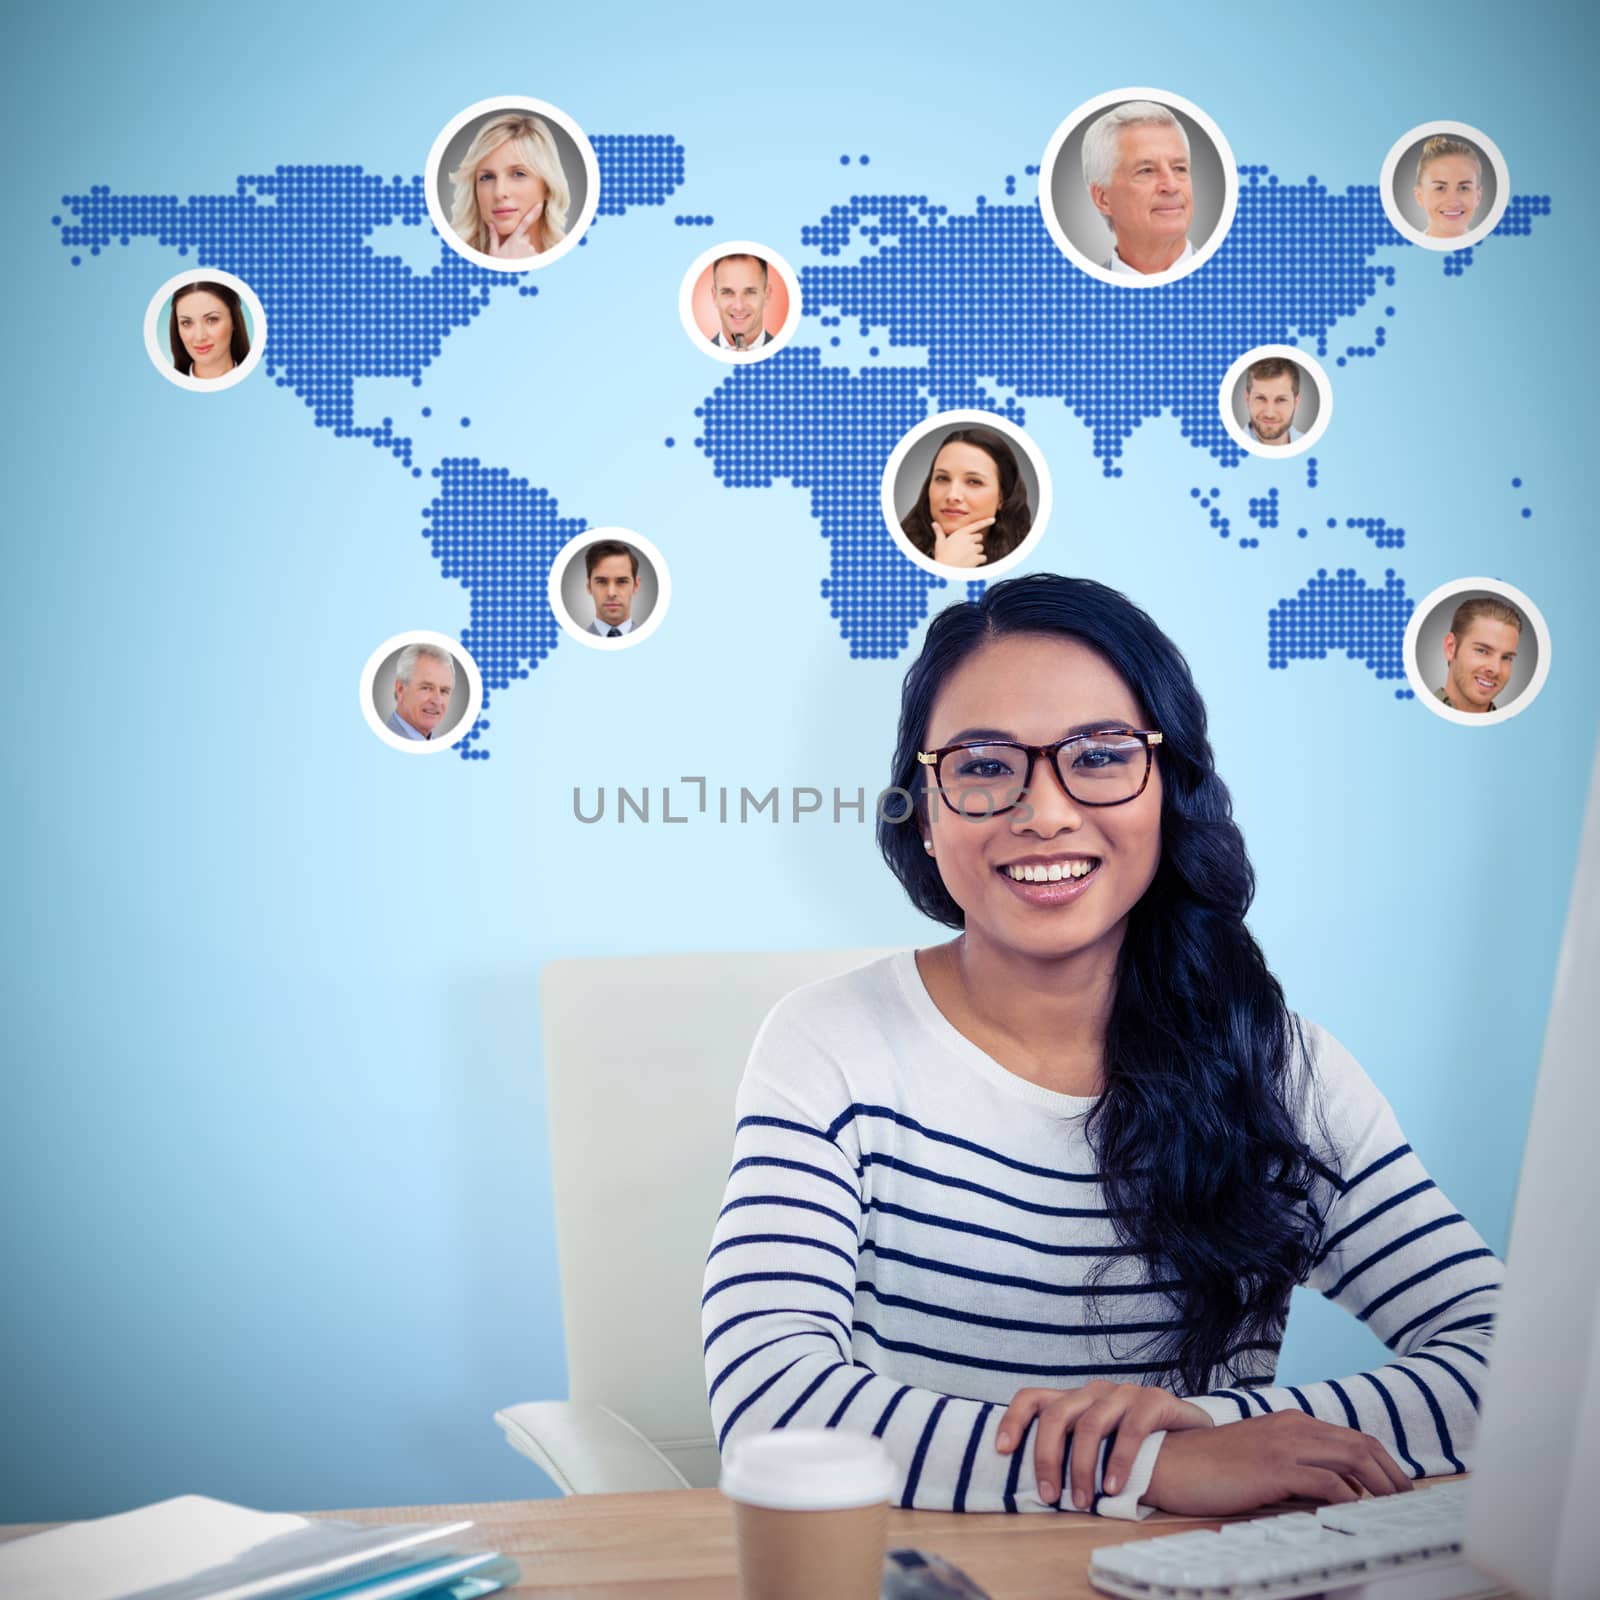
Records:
x=808, y=1469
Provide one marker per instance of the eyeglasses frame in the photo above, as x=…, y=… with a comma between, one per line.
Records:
x=1148, y=737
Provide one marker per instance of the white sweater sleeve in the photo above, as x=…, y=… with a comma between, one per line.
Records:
x=1403, y=1260
x=780, y=1294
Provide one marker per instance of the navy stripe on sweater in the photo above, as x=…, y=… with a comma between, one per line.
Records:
x=1330, y=1245
x=955, y=1225
x=783, y=1238
x=1446, y=1445
x=1431, y=1271
x=977, y=1319
x=794, y=1166
x=850, y=1113
x=1393, y=1245
x=1397, y=1425
x=787, y=1200
x=946, y=1180
x=775, y=1311
x=914, y=1475
x=1376, y=1166
x=1007, y=1280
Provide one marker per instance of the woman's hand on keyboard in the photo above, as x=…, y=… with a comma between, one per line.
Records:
x=1241, y=1466
x=1089, y=1414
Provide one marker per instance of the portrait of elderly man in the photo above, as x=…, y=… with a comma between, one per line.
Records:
x=424, y=678
x=1136, y=165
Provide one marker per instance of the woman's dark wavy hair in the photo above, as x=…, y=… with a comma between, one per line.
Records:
x=1205, y=1174
x=239, y=348
x=1012, y=520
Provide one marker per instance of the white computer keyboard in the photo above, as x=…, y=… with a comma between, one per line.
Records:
x=1394, y=1545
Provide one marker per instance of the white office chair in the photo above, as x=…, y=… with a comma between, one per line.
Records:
x=642, y=1059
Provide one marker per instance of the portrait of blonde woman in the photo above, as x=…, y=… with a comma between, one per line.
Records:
x=511, y=195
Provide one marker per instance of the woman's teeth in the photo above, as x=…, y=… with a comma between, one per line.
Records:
x=1054, y=873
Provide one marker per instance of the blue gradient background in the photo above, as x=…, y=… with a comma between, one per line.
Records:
x=276, y=1194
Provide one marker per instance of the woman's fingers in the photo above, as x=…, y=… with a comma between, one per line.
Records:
x=1014, y=1422
x=1318, y=1483
x=1056, y=1420
x=1396, y=1474
x=1361, y=1460
x=1088, y=1416
x=1138, y=1422
x=960, y=549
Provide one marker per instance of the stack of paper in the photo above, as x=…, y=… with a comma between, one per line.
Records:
x=193, y=1548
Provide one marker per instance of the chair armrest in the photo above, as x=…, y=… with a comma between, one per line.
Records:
x=587, y=1449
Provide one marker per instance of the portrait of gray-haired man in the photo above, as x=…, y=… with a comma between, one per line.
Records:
x=424, y=679
x=1137, y=168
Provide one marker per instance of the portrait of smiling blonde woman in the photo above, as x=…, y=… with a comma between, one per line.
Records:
x=510, y=193
x=1029, y=1204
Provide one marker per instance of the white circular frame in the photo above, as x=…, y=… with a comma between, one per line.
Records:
x=439, y=641
x=1424, y=690
x=1476, y=234
x=939, y=424
x=640, y=631
x=1242, y=436
x=1138, y=280
x=538, y=108
x=161, y=355
x=775, y=263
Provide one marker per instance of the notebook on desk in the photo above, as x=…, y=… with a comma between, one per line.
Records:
x=192, y=1546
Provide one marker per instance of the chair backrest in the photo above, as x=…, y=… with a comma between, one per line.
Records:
x=643, y=1056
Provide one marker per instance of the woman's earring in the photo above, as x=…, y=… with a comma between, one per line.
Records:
x=927, y=844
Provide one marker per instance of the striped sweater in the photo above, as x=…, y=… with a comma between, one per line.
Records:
x=909, y=1229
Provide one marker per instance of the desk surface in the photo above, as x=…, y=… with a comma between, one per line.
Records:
x=679, y=1544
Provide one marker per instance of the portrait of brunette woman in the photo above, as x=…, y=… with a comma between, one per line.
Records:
x=206, y=330
x=973, y=508
x=1029, y=1204
x=510, y=193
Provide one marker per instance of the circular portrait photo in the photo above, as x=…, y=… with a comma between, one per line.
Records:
x=420, y=692
x=609, y=588
x=739, y=302
x=205, y=330
x=1444, y=185
x=966, y=494
x=1138, y=187
x=512, y=183
x=1276, y=402
x=1477, y=651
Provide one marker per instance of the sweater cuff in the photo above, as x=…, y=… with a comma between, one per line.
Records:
x=1219, y=1407
x=1125, y=1506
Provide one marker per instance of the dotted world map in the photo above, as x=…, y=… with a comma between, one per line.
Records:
x=1298, y=260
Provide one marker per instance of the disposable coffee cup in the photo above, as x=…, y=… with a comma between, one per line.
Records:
x=810, y=1513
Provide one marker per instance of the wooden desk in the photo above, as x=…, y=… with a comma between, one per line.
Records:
x=679, y=1544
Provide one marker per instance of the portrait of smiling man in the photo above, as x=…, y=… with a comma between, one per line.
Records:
x=1480, y=651
x=1272, y=398
x=424, y=679
x=740, y=291
x=1137, y=168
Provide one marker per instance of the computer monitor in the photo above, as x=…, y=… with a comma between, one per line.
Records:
x=1532, y=1516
